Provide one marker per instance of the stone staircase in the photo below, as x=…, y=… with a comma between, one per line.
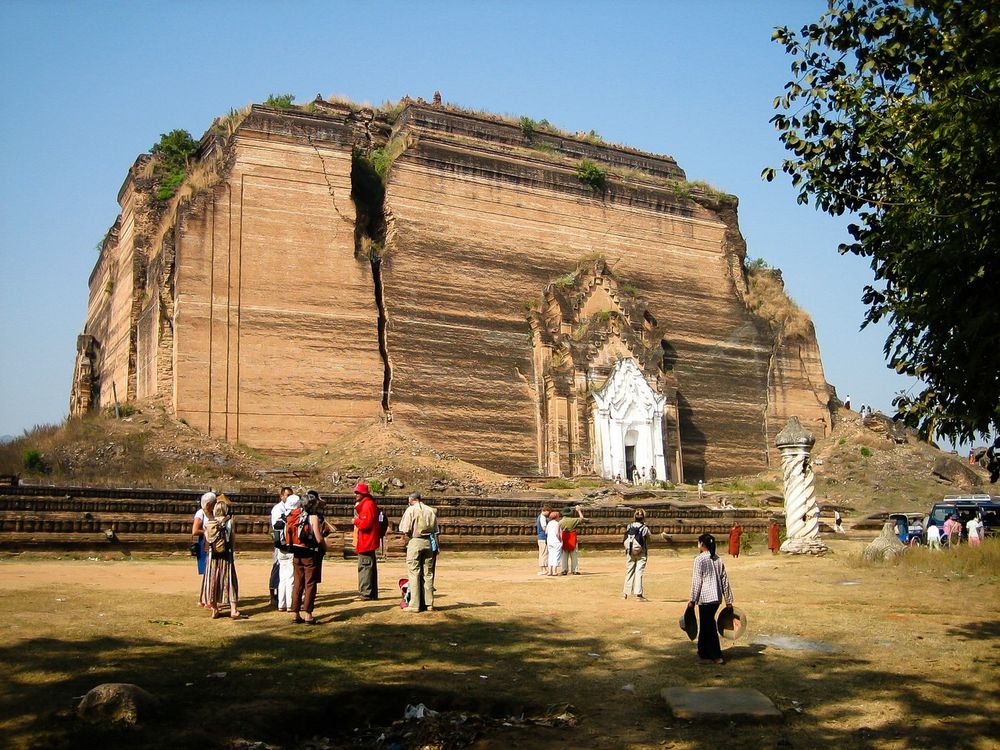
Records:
x=122, y=519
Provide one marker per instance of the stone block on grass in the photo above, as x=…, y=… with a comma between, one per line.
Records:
x=731, y=704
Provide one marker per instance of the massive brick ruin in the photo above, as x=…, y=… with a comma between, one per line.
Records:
x=467, y=276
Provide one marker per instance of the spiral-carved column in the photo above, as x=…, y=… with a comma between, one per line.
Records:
x=801, y=513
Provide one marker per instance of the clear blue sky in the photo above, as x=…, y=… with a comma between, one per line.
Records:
x=87, y=86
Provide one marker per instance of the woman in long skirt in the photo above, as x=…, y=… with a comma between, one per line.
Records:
x=198, y=548
x=709, y=586
x=220, y=586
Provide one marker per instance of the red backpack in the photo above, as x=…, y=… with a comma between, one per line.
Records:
x=569, y=541
x=298, y=530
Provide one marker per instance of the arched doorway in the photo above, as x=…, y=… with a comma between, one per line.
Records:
x=631, y=438
x=628, y=424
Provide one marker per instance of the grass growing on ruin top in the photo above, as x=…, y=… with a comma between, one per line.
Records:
x=766, y=297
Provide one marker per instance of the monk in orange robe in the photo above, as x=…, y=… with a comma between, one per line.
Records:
x=734, y=539
x=773, y=538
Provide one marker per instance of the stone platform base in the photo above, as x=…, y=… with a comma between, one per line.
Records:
x=804, y=547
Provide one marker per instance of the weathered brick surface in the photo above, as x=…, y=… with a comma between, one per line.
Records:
x=256, y=316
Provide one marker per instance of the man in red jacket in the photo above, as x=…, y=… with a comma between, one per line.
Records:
x=369, y=538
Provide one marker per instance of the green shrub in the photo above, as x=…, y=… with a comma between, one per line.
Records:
x=566, y=280
x=34, y=462
x=169, y=184
x=842, y=441
x=747, y=541
x=382, y=158
x=528, y=127
x=377, y=487
x=280, y=101
x=866, y=451
x=171, y=154
x=590, y=174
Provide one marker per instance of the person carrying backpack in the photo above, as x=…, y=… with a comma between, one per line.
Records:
x=278, y=512
x=220, y=585
x=371, y=525
x=570, y=527
x=636, y=543
x=304, y=537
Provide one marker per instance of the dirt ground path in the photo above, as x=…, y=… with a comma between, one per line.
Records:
x=854, y=656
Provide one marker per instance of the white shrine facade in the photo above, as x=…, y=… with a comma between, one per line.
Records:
x=606, y=401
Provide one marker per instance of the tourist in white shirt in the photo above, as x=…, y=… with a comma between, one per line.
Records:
x=278, y=511
x=553, y=542
x=974, y=527
x=933, y=537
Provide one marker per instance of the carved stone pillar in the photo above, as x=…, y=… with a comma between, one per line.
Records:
x=801, y=512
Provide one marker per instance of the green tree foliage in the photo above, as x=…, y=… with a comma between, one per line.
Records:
x=172, y=153
x=893, y=114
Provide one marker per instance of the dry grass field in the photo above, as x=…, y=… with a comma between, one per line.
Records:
x=855, y=656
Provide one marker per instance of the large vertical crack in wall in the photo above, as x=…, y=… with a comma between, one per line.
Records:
x=368, y=194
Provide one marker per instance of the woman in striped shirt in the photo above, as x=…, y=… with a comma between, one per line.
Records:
x=709, y=586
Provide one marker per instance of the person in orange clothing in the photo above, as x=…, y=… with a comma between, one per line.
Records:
x=369, y=537
x=773, y=537
x=734, y=539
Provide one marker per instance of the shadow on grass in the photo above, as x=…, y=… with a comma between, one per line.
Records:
x=347, y=676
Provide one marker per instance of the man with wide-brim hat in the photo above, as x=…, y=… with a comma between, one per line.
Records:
x=369, y=537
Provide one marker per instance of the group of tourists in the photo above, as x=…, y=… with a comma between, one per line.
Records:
x=638, y=476
x=950, y=533
x=558, y=541
x=300, y=529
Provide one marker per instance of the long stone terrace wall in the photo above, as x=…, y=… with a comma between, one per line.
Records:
x=81, y=517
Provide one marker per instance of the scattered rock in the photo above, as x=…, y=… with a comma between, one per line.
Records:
x=117, y=703
x=886, y=546
x=956, y=471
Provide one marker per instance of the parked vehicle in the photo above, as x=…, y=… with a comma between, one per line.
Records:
x=967, y=507
x=909, y=527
